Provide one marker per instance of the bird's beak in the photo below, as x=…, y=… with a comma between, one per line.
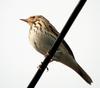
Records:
x=25, y=20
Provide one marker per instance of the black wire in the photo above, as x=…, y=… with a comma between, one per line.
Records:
x=56, y=44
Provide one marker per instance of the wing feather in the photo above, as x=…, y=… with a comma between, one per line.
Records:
x=55, y=32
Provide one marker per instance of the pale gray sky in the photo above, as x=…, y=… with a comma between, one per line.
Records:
x=19, y=61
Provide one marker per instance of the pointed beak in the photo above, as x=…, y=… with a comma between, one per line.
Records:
x=25, y=20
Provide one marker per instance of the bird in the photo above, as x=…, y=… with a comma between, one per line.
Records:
x=42, y=36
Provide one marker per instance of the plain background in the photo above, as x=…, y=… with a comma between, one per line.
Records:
x=18, y=59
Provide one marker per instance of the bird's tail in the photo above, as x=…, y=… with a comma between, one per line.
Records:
x=83, y=74
x=70, y=62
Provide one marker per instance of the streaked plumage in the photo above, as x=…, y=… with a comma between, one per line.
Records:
x=42, y=35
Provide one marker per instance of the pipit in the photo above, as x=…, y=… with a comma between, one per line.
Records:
x=43, y=34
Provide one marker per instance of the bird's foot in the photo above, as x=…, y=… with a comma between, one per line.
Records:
x=47, y=55
x=39, y=67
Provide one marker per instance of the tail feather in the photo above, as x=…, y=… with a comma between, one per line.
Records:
x=70, y=62
x=83, y=74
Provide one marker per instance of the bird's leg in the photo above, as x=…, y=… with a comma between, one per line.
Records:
x=42, y=62
x=39, y=67
x=47, y=55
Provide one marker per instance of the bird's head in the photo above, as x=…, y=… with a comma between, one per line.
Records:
x=32, y=19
